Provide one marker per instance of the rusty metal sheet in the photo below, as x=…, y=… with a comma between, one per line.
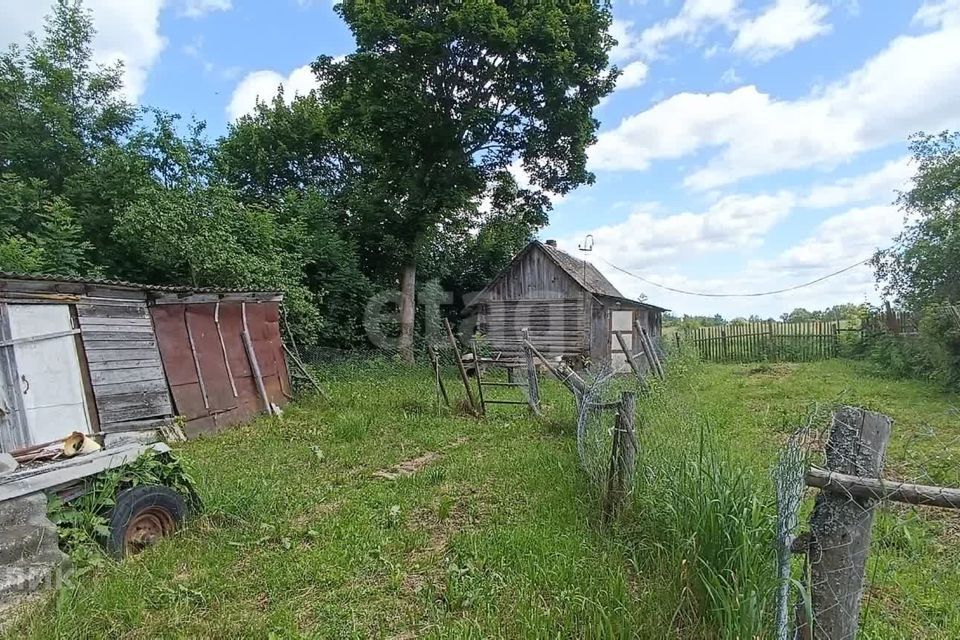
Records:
x=171, y=330
x=223, y=410
x=216, y=379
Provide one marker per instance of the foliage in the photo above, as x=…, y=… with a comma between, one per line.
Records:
x=932, y=354
x=921, y=266
x=60, y=121
x=440, y=99
x=920, y=270
x=83, y=521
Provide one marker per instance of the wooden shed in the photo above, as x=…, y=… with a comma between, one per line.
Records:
x=569, y=307
x=108, y=357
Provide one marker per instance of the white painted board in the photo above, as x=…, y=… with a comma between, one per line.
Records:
x=50, y=381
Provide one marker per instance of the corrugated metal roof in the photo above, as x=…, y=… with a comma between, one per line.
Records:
x=123, y=284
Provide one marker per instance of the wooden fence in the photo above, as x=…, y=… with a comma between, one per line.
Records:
x=770, y=341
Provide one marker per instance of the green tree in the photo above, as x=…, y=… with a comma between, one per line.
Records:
x=923, y=265
x=62, y=131
x=440, y=97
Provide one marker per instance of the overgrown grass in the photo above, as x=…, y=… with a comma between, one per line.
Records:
x=498, y=537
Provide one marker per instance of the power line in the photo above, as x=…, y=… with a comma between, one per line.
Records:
x=738, y=295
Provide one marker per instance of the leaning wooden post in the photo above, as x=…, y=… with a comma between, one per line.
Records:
x=840, y=527
x=252, y=357
x=623, y=458
x=627, y=354
x=435, y=361
x=463, y=372
x=533, y=384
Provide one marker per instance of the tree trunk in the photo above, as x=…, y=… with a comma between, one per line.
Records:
x=408, y=285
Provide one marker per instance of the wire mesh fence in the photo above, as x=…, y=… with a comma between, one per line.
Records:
x=867, y=562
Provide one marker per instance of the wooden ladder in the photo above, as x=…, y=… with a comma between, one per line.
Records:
x=532, y=396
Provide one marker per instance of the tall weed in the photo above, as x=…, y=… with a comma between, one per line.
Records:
x=703, y=516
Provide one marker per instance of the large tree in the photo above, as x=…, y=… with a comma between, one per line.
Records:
x=63, y=131
x=923, y=265
x=441, y=97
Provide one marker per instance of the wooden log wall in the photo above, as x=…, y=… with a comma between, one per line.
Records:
x=126, y=372
x=557, y=327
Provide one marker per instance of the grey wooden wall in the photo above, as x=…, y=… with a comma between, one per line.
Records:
x=126, y=373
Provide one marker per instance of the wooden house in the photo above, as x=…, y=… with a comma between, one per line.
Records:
x=117, y=358
x=569, y=307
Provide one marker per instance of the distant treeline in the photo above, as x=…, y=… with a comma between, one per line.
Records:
x=850, y=313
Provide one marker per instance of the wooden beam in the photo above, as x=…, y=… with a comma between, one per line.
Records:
x=49, y=476
x=254, y=363
x=879, y=489
x=463, y=372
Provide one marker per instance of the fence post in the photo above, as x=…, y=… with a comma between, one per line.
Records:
x=533, y=384
x=623, y=458
x=840, y=527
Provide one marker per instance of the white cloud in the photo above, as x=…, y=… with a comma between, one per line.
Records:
x=909, y=86
x=695, y=16
x=126, y=31
x=626, y=47
x=730, y=76
x=836, y=243
x=633, y=75
x=877, y=186
x=938, y=12
x=262, y=86
x=200, y=8
x=781, y=27
x=646, y=238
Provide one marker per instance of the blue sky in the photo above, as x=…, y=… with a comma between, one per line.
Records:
x=750, y=145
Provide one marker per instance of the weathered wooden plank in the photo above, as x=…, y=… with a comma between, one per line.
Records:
x=115, y=336
x=114, y=376
x=32, y=480
x=126, y=364
x=118, y=353
x=139, y=321
x=133, y=309
x=121, y=388
x=94, y=345
x=155, y=408
x=136, y=425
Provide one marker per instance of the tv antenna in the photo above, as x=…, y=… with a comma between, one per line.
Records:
x=586, y=248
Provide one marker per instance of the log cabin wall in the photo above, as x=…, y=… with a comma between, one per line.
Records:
x=536, y=294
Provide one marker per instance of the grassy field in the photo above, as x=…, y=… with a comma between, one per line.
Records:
x=494, y=532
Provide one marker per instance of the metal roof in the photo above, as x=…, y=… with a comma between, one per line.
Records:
x=123, y=284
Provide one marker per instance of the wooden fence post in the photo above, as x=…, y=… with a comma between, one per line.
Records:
x=840, y=527
x=533, y=384
x=623, y=458
x=463, y=372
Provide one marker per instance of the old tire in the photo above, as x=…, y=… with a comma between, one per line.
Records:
x=142, y=516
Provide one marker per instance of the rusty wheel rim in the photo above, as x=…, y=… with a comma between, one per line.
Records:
x=145, y=528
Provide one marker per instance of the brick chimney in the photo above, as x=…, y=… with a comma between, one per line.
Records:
x=552, y=243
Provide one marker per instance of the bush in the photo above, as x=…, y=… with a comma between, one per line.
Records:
x=932, y=354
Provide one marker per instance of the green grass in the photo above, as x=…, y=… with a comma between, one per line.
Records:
x=498, y=536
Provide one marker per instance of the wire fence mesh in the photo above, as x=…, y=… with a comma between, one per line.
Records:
x=863, y=561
